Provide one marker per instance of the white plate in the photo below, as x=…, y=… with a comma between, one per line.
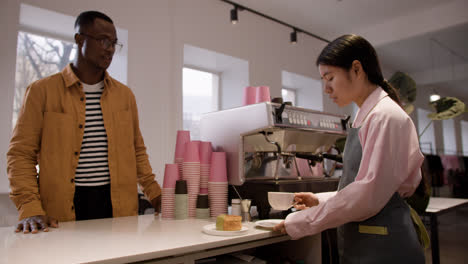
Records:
x=211, y=230
x=268, y=223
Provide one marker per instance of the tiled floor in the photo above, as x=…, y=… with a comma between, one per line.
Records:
x=453, y=237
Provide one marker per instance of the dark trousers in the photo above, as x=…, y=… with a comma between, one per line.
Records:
x=92, y=202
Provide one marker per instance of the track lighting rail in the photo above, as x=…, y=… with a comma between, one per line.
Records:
x=294, y=28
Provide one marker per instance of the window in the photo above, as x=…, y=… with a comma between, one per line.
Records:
x=289, y=95
x=450, y=145
x=200, y=95
x=464, y=132
x=426, y=132
x=36, y=58
x=307, y=92
x=234, y=72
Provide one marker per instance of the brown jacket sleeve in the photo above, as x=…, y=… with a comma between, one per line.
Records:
x=145, y=175
x=22, y=156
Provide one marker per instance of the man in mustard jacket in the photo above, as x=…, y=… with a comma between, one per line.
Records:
x=81, y=127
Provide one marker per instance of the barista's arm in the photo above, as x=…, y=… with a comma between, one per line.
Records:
x=324, y=196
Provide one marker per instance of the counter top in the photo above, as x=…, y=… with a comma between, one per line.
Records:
x=441, y=204
x=118, y=240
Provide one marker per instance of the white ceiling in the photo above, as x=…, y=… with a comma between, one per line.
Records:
x=428, y=39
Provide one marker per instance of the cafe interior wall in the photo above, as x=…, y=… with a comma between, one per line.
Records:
x=157, y=32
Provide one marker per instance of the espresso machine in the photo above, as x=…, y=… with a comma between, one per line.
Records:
x=263, y=143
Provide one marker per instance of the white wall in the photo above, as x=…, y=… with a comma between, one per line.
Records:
x=9, y=17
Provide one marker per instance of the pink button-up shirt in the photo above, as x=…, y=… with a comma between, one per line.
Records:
x=391, y=161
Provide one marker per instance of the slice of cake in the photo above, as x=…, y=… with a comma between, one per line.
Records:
x=226, y=222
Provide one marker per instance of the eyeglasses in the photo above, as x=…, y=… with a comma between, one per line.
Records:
x=106, y=43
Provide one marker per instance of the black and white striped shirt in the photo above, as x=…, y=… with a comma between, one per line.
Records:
x=93, y=167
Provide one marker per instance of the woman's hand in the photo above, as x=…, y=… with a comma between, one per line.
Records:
x=305, y=200
x=280, y=227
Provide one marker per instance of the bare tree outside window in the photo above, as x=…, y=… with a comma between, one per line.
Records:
x=38, y=57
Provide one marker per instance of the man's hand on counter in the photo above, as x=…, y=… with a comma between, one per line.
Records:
x=35, y=223
x=156, y=202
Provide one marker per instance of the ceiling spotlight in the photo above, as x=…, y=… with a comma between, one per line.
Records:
x=293, y=37
x=234, y=19
x=434, y=97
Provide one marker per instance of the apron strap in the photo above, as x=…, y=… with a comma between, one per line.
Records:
x=420, y=228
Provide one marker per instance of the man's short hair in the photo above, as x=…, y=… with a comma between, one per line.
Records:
x=87, y=18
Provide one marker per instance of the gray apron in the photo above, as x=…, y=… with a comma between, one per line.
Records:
x=387, y=237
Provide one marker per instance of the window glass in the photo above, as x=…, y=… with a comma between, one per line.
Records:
x=38, y=57
x=464, y=132
x=200, y=95
x=450, y=145
x=289, y=95
x=426, y=132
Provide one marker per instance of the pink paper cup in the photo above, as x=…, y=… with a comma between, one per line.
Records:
x=250, y=95
x=192, y=153
x=183, y=136
x=317, y=170
x=218, y=171
x=303, y=167
x=171, y=175
x=205, y=152
x=263, y=94
x=198, y=142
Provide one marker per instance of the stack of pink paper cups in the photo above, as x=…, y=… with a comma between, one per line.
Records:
x=171, y=175
x=218, y=184
x=205, y=165
x=183, y=136
x=253, y=95
x=191, y=173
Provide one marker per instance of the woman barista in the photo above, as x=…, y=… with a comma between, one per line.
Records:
x=381, y=165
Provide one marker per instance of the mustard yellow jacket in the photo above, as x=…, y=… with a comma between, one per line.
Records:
x=49, y=132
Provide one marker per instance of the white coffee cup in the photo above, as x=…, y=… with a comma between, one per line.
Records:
x=281, y=200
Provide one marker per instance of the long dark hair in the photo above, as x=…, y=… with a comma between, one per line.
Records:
x=342, y=51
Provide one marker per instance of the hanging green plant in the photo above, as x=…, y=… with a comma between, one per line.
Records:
x=447, y=108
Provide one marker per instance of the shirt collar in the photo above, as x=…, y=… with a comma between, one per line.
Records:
x=70, y=77
x=369, y=104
